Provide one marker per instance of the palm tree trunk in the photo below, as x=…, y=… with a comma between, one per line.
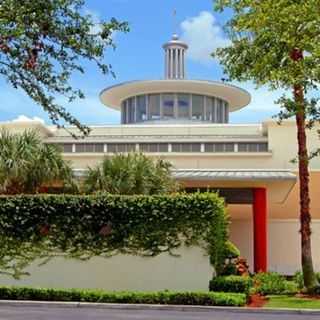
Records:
x=309, y=277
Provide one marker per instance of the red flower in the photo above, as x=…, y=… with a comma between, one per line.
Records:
x=106, y=230
x=44, y=230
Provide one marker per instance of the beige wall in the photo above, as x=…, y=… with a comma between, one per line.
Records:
x=284, y=243
x=290, y=208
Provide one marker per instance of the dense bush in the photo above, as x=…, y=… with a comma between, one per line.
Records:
x=298, y=279
x=231, y=251
x=231, y=284
x=165, y=297
x=231, y=255
x=273, y=283
x=33, y=227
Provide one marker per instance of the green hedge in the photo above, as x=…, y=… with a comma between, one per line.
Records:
x=165, y=297
x=33, y=227
x=231, y=284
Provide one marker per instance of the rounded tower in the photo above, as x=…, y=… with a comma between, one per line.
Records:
x=175, y=58
x=174, y=99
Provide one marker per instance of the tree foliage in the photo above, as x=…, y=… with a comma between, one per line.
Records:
x=26, y=164
x=42, y=227
x=43, y=42
x=276, y=43
x=129, y=174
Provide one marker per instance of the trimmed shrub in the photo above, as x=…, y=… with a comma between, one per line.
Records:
x=273, y=283
x=33, y=227
x=164, y=297
x=231, y=284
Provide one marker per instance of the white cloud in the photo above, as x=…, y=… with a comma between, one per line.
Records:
x=23, y=118
x=203, y=35
x=97, y=27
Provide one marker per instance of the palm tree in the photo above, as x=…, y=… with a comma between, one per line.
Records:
x=132, y=173
x=26, y=164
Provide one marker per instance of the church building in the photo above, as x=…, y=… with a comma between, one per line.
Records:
x=186, y=122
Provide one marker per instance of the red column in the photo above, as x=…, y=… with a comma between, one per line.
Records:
x=260, y=229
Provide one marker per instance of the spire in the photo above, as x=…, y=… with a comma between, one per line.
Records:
x=175, y=58
x=175, y=23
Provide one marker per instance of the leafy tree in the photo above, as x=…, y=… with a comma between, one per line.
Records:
x=26, y=164
x=130, y=174
x=276, y=43
x=43, y=42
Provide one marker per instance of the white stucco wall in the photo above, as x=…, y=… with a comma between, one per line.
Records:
x=191, y=271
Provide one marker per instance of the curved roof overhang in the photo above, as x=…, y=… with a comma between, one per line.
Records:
x=236, y=97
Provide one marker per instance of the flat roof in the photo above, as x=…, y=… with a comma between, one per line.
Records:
x=235, y=96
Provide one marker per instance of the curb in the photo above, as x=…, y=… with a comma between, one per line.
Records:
x=181, y=308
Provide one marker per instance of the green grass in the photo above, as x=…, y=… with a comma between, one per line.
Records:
x=292, y=302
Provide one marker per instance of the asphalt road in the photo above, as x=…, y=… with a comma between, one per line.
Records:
x=60, y=313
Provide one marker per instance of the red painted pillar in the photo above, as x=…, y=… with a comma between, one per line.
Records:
x=260, y=229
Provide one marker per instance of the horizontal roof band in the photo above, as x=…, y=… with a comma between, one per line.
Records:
x=234, y=175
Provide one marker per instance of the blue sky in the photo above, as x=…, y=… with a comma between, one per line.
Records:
x=139, y=55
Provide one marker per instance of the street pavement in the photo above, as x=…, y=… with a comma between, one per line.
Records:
x=61, y=313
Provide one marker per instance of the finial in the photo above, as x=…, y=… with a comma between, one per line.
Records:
x=175, y=25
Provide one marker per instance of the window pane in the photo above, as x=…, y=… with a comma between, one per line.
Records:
x=163, y=147
x=89, y=147
x=219, y=147
x=196, y=147
x=80, y=147
x=176, y=147
x=209, y=147
x=112, y=148
x=144, y=147
x=154, y=107
x=131, y=107
x=185, y=147
x=226, y=107
x=183, y=106
x=141, y=108
x=131, y=147
x=242, y=147
x=229, y=147
x=209, y=110
x=220, y=111
x=153, y=147
x=263, y=147
x=197, y=107
x=168, y=106
x=123, y=112
x=253, y=147
x=98, y=147
x=67, y=147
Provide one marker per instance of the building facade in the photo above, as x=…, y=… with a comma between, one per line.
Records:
x=187, y=123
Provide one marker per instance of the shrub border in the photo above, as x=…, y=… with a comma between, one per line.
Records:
x=99, y=296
